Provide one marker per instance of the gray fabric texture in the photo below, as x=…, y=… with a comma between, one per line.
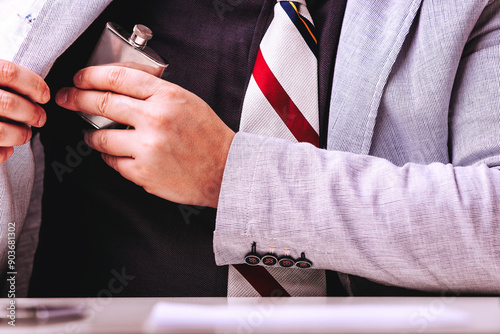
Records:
x=407, y=193
x=58, y=25
x=28, y=239
x=16, y=183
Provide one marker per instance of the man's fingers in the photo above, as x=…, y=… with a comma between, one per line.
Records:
x=18, y=87
x=112, y=142
x=14, y=135
x=119, y=108
x=118, y=79
x=24, y=82
x=17, y=108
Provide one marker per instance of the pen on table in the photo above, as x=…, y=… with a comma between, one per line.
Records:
x=49, y=313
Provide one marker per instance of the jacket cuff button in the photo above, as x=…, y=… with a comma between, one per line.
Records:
x=286, y=261
x=303, y=263
x=252, y=258
x=270, y=259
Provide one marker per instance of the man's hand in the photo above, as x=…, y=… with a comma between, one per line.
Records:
x=178, y=146
x=20, y=91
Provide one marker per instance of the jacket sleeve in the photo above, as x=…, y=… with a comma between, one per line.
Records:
x=429, y=227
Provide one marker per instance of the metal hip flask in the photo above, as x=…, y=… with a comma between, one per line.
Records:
x=118, y=46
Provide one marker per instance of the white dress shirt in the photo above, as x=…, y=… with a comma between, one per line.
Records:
x=16, y=20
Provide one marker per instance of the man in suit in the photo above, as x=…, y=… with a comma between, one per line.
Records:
x=403, y=196
x=166, y=246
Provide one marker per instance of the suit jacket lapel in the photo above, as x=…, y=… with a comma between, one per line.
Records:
x=327, y=18
x=371, y=38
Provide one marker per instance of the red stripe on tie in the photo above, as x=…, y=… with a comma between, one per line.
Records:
x=282, y=104
x=261, y=280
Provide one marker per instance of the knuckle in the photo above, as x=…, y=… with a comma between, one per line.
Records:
x=101, y=140
x=7, y=102
x=171, y=92
x=153, y=145
x=103, y=103
x=116, y=77
x=152, y=86
x=8, y=72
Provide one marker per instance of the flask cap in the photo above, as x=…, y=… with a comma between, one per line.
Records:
x=140, y=36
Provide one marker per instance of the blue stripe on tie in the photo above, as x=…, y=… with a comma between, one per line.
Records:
x=303, y=26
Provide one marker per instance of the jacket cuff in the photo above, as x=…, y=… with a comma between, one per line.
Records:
x=232, y=239
x=252, y=181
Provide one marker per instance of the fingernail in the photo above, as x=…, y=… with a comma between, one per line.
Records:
x=78, y=78
x=46, y=96
x=62, y=96
x=42, y=120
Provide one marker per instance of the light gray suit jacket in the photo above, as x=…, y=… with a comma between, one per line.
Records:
x=408, y=192
x=57, y=26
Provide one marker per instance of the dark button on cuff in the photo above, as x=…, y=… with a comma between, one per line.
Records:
x=252, y=258
x=303, y=263
x=269, y=260
x=286, y=262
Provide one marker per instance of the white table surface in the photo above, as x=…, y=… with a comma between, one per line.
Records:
x=128, y=315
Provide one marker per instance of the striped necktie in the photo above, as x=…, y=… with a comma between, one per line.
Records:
x=282, y=101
